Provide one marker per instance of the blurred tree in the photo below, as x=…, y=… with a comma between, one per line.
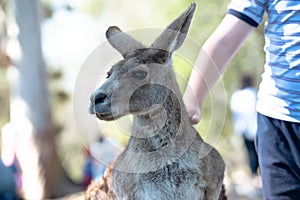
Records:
x=30, y=117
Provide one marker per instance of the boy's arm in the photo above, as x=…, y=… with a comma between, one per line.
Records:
x=216, y=52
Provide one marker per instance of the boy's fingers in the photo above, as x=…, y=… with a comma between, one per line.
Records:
x=195, y=119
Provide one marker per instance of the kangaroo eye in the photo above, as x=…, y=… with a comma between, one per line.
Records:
x=108, y=74
x=140, y=75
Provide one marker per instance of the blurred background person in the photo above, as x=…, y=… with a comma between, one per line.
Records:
x=7, y=183
x=9, y=163
x=10, y=177
x=243, y=109
x=99, y=155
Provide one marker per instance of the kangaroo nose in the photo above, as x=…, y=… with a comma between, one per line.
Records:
x=98, y=98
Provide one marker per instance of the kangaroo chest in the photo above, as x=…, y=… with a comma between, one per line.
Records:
x=168, y=183
x=172, y=175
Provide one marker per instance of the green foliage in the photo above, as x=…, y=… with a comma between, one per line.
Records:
x=3, y=4
x=93, y=7
x=4, y=97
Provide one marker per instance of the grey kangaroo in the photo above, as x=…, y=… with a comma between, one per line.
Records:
x=165, y=158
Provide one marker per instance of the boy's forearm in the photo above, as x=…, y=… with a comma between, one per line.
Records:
x=216, y=53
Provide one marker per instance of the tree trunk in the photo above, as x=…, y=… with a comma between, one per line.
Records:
x=42, y=173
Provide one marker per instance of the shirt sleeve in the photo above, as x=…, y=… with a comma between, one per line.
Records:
x=249, y=11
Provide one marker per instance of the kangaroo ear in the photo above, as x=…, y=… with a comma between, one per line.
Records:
x=121, y=41
x=173, y=36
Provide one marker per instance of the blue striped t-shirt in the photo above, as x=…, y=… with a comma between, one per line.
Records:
x=279, y=91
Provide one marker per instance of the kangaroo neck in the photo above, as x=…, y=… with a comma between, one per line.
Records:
x=158, y=128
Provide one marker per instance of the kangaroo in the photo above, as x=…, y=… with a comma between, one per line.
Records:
x=165, y=158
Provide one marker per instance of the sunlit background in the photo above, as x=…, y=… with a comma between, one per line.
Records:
x=72, y=29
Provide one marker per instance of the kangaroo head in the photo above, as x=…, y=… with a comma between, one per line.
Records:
x=140, y=81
